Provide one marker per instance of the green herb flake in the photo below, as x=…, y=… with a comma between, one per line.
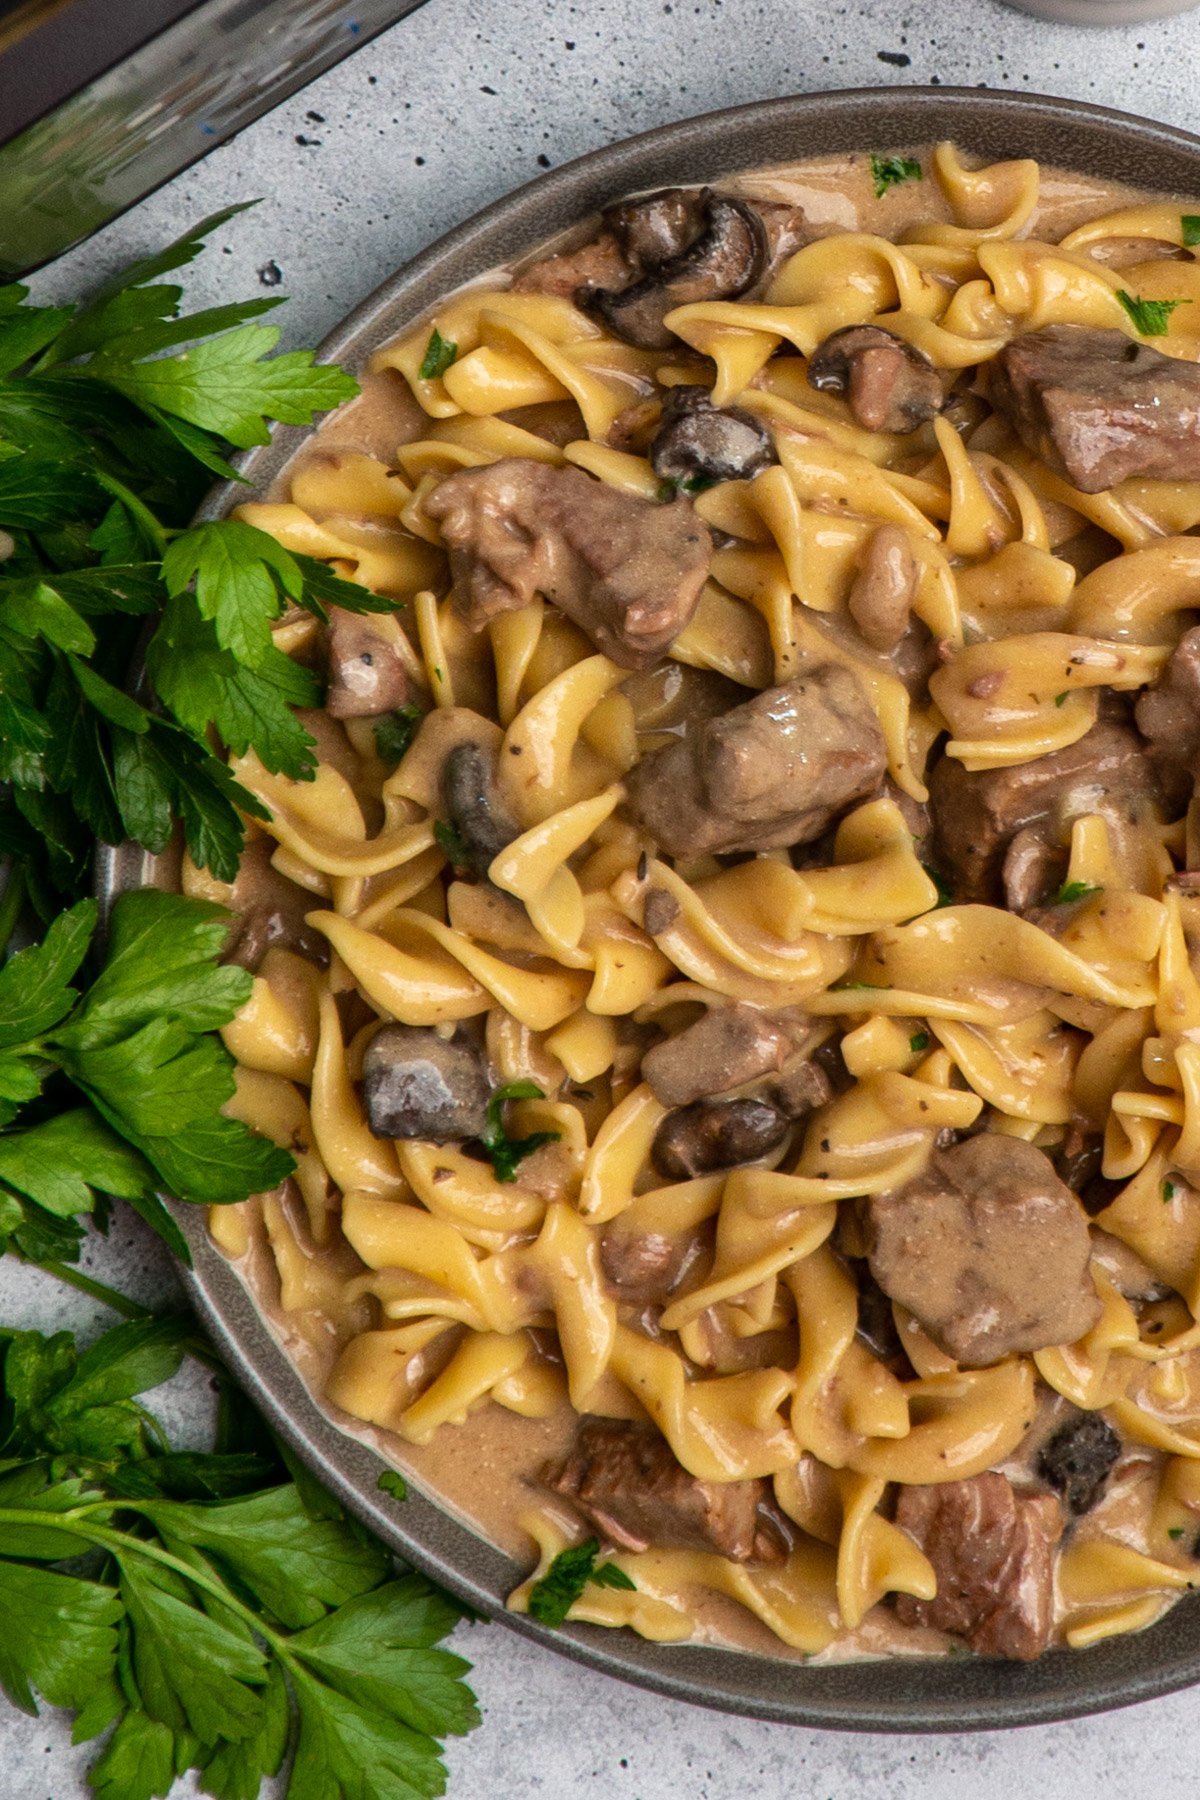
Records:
x=1072, y=891
x=395, y=732
x=850, y=987
x=945, y=891
x=393, y=1483
x=1150, y=318
x=439, y=354
x=1060, y=699
x=1168, y=1191
x=919, y=1041
x=551, y=1598
x=1189, y=227
x=1175, y=1532
x=890, y=171
x=504, y=1152
x=453, y=843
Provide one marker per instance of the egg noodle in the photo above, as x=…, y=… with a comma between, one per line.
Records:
x=444, y=1292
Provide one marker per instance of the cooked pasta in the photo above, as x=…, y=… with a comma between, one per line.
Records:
x=732, y=987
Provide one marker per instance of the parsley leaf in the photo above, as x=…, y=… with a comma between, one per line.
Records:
x=453, y=843
x=239, y=572
x=1189, y=225
x=1151, y=318
x=439, y=354
x=551, y=1598
x=504, y=1152
x=945, y=891
x=1168, y=1191
x=1071, y=891
x=919, y=1041
x=889, y=171
x=393, y=1483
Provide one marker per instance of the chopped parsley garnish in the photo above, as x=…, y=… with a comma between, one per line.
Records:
x=919, y=1041
x=1168, y=1191
x=1071, y=891
x=889, y=171
x=945, y=891
x=1175, y=1532
x=1189, y=225
x=1151, y=318
x=439, y=354
x=504, y=1152
x=396, y=731
x=685, y=484
x=847, y=987
x=453, y=843
x=551, y=1598
x=393, y=1483
x=1061, y=699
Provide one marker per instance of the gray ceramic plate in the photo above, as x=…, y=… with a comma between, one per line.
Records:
x=955, y=1694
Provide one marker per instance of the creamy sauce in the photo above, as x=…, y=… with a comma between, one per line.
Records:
x=485, y=1471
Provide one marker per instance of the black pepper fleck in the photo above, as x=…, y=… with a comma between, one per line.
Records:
x=270, y=274
x=897, y=58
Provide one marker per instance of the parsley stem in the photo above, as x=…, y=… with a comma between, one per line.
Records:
x=140, y=511
x=99, y=1290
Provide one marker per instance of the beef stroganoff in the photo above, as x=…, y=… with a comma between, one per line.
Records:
x=731, y=987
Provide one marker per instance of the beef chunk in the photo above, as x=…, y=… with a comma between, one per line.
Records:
x=799, y=1088
x=725, y=1048
x=715, y=1134
x=1099, y=408
x=627, y=571
x=643, y=1268
x=1168, y=714
x=1033, y=870
x=419, y=1085
x=977, y=815
x=889, y=384
x=1078, y=1460
x=476, y=813
x=625, y=1481
x=882, y=593
x=778, y=769
x=698, y=443
x=988, y=1249
x=366, y=673
x=992, y=1552
x=599, y=263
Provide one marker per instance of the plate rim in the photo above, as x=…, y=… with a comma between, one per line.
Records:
x=889, y=1695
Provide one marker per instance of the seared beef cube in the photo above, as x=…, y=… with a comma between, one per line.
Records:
x=367, y=675
x=419, y=1085
x=889, y=384
x=625, y=1480
x=722, y=1050
x=643, y=1268
x=992, y=1552
x=715, y=1134
x=1168, y=716
x=988, y=1250
x=1078, y=1460
x=977, y=815
x=627, y=571
x=476, y=812
x=1100, y=408
x=777, y=770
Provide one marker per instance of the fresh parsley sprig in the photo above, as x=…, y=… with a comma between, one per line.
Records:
x=1150, y=318
x=116, y=1088
x=114, y=416
x=223, y=1615
x=890, y=171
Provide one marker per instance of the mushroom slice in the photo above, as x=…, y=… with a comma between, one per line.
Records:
x=698, y=443
x=889, y=384
x=417, y=1084
x=727, y=258
x=658, y=227
x=469, y=791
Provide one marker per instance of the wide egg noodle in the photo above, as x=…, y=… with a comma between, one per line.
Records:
x=435, y=1296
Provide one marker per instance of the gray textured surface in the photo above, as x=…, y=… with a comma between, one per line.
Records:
x=410, y=136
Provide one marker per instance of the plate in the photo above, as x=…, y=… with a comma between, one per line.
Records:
x=943, y=1694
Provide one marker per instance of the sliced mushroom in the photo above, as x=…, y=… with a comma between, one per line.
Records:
x=366, y=673
x=724, y=260
x=476, y=813
x=882, y=593
x=419, y=1085
x=658, y=227
x=889, y=384
x=695, y=1140
x=698, y=443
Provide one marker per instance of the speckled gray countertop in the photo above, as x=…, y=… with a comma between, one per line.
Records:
x=444, y=113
